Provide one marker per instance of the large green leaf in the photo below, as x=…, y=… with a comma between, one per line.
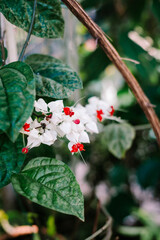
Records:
x=11, y=158
x=50, y=183
x=17, y=94
x=53, y=78
x=49, y=22
x=119, y=138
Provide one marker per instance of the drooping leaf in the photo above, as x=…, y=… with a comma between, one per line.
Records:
x=53, y=78
x=48, y=23
x=17, y=94
x=50, y=183
x=5, y=53
x=119, y=138
x=11, y=158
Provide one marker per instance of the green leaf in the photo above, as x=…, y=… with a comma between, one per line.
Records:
x=6, y=54
x=148, y=173
x=156, y=8
x=53, y=78
x=50, y=183
x=147, y=69
x=119, y=138
x=11, y=158
x=48, y=23
x=17, y=94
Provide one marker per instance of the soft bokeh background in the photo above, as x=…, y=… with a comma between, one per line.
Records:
x=126, y=190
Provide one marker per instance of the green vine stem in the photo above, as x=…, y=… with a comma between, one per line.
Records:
x=29, y=32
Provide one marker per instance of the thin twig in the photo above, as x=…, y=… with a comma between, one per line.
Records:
x=29, y=32
x=113, y=55
x=108, y=224
x=97, y=216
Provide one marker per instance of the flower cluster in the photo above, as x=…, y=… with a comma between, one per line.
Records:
x=74, y=123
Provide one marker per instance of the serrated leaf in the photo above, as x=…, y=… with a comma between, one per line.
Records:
x=11, y=158
x=17, y=94
x=53, y=78
x=48, y=22
x=50, y=183
x=119, y=138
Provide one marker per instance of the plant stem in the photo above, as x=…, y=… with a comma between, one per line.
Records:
x=2, y=51
x=2, y=43
x=108, y=223
x=113, y=55
x=97, y=216
x=142, y=127
x=29, y=32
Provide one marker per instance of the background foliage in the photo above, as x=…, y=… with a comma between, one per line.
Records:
x=128, y=181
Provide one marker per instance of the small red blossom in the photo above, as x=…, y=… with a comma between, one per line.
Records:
x=99, y=114
x=77, y=147
x=112, y=111
x=26, y=126
x=77, y=121
x=25, y=150
x=49, y=116
x=68, y=111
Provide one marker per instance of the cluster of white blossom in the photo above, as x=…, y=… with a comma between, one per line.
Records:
x=74, y=123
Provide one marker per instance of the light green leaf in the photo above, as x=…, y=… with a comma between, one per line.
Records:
x=50, y=183
x=53, y=78
x=48, y=23
x=119, y=138
x=11, y=158
x=17, y=94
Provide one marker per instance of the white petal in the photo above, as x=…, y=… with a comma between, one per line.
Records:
x=41, y=106
x=83, y=137
x=65, y=127
x=73, y=137
x=56, y=106
x=92, y=127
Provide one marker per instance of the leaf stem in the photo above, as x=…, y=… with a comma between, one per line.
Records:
x=29, y=32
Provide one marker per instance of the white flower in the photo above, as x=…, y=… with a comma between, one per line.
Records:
x=33, y=139
x=41, y=106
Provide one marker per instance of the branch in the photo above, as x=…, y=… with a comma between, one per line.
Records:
x=29, y=32
x=113, y=55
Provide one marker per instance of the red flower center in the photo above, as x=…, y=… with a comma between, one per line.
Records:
x=77, y=121
x=26, y=126
x=99, y=114
x=68, y=111
x=49, y=116
x=76, y=147
x=112, y=111
x=25, y=150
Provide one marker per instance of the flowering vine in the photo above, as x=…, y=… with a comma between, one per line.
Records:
x=74, y=123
